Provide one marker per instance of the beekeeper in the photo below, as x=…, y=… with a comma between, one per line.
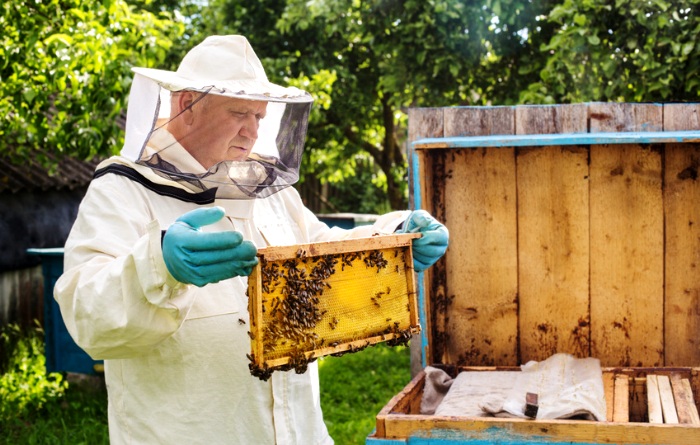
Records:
x=156, y=264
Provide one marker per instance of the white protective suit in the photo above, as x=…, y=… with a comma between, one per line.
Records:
x=175, y=354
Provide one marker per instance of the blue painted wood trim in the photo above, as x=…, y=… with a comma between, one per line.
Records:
x=422, y=313
x=490, y=436
x=536, y=140
x=380, y=441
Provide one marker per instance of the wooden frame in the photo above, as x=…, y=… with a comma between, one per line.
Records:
x=353, y=294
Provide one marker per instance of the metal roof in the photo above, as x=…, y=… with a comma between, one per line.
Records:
x=71, y=173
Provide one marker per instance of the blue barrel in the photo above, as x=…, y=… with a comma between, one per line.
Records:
x=62, y=354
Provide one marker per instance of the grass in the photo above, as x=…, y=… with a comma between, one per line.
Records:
x=354, y=388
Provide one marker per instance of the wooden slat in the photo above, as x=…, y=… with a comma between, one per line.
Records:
x=654, y=400
x=609, y=387
x=685, y=402
x=433, y=430
x=553, y=251
x=551, y=119
x=276, y=253
x=681, y=117
x=624, y=117
x=627, y=247
x=481, y=262
x=693, y=406
x=682, y=258
x=668, y=405
x=423, y=122
x=621, y=409
x=482, y=259
x=479, y=121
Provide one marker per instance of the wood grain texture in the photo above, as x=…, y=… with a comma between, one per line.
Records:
x=551, y=119
x=479, y=121
x=621, y=409
x=481, y=275
x=685, y=402
x=668, y=404
x=679, y=117
x=482, y=259
x=623, y=117
x=682, y=256
x=654, y=400
x=553, y=251
x=422, y=123
x=627, y=247
x=609, y=387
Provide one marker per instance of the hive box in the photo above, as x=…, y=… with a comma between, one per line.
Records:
x=573, y=228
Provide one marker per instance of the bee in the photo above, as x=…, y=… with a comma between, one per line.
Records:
x=241, y=321
x=251, y=335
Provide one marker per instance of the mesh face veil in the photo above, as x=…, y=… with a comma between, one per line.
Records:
x=217, y=123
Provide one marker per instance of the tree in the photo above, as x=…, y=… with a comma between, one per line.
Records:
x=369, y=61
x=628, y=51
x=66, y=74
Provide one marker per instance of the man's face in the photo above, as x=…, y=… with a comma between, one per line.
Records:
x=221, y=128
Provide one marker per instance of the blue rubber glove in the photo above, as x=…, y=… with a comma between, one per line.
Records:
x=432, y=245
x=200, y=258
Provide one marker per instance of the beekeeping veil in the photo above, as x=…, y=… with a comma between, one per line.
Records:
x=224, y=66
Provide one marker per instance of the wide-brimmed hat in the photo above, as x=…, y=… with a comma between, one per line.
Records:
x=227, y=66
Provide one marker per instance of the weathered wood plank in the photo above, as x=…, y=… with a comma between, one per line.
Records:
x=520, y=431
x=654, y=400
x=624, y=117
x=551, y=119
x=679, y=117
x=627, y=247
x=481, y=263
x=682, y=256
x=482, y=259
x=668, y=405
x=685, y=402
x=422, y=123
x=553, y=251
x=621, y=409
x=479, y=121
x=609, y=387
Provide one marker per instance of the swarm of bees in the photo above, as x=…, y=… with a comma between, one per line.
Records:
x=293, y=289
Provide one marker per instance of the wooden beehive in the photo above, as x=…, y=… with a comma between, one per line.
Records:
x=308, y=301
x=573, y=228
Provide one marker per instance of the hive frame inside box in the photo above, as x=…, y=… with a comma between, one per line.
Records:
x=348, y=295
x=573, y=229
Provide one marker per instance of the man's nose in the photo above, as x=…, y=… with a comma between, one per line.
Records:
x=250, y=127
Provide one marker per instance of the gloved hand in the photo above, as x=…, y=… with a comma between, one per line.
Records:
x=432, y=245
x=200, y=258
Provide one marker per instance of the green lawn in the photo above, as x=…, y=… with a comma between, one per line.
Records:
x=354, y=388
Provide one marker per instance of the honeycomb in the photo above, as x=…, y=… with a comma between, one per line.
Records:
x=308, y=301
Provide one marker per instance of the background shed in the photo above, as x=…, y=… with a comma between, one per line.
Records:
x=37, y=210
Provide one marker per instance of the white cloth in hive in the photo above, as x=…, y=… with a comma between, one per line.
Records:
x=566, y=387
x=472, y=390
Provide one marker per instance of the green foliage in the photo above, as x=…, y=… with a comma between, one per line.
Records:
x=25, y=386
x=355, y=387
x=627, y=51
x=66, y=66
x=386, y=56
x=66, y=73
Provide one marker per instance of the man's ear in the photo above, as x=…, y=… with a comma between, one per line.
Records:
x=185, y=99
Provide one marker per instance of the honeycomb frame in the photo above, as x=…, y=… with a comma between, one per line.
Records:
x=311, y=300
